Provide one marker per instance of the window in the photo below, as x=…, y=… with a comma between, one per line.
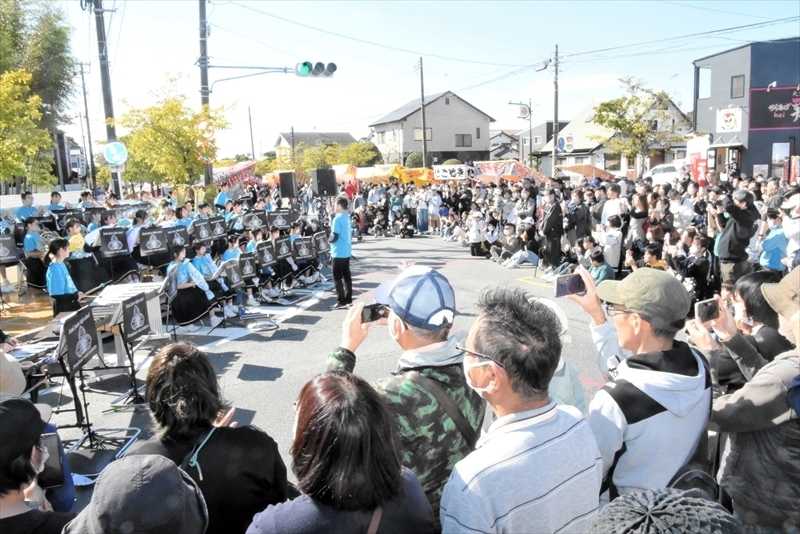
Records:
x=463, y=140
x=561, y=161
x=703, y=82
x=537, y=139
x=737, y=86
x=380, y=137
x=447, y=101
x=477, y=133
x=579, y=160
x=631, y=162
x=418, y=134
x=526, y=141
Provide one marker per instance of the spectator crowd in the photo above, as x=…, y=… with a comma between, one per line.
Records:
x=488, y=430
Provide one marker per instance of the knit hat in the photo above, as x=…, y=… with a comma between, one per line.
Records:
x=140, y=495
x=664, y=510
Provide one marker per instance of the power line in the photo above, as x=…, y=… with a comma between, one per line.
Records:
x=119, y=33
x=372, y=43
x=714, y=10
x=262, y=43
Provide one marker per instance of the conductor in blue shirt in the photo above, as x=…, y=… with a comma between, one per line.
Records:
x=341, y=248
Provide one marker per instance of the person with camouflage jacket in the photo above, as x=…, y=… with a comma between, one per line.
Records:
x=421, y=307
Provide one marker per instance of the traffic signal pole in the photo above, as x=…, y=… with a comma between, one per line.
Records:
x=422, y=107
x=555, y=114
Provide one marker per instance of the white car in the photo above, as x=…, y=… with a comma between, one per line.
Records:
x=664, y=174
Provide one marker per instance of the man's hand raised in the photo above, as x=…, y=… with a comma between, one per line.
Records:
x=354, y=332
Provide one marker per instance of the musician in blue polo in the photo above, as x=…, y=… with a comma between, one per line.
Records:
x=27, y=209
x=222, y=197
x=236, y=216
x=60, y=286
x=55, y=202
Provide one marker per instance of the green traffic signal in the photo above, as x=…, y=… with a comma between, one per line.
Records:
x=314, y=70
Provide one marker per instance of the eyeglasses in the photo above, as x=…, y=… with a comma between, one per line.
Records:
x=462, y=348
x=612, y=311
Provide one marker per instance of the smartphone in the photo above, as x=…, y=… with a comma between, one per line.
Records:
x=707, y=310
x=569, y=284
x=373, y=312
x=53, y=474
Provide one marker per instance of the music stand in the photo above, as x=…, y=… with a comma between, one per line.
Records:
x=255, y=219
x=152, y=241
x=281, y=219
x=201, y=230
x=78, y=344
x=9, y=256
x=48, y=223
x=62, y=216
x=113, y=244
x=231, y=270
x=133, y=320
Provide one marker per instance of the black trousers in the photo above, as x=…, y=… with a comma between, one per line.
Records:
x=343, y=280
x=552, y=251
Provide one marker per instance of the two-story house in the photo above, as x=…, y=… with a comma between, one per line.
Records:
x=533, y=140
x=503, y=144
x=748, y=100
x=455, y=129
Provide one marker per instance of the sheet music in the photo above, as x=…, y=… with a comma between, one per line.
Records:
x=32, y=350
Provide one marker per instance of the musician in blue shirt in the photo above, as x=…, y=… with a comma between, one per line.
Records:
x=203, y=211
x=173, y=198
x=236, y=215
x=60, y=286
x=205, y=265
x=233, y=250
x=223, y=197
x=193, y=298
x=55, y=202
x=180, y=217
x=27, y=209
x=94, y=224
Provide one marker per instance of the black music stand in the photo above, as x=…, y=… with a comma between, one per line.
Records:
x=231, y=270
x=9, y=256
x=283, y=250
x=113, y=244
x=152, y=241
x=133, y=320
x=90, y=454
x=255, y=219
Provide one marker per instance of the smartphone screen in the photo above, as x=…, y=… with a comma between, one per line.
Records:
x=706, y=310
x=53, y=474
x=569, y=284
x=373, y=312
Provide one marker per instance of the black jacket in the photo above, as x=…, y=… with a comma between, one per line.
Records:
x=553, y=221
x=580, y=220
x=737, y=231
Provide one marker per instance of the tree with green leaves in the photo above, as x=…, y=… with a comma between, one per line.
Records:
x=414, y=160
x=641, y=120
x=451, y=161
x=35, y=36
x=165, y=139
x=24, y=143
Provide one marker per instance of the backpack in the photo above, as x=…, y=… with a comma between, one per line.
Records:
x=794, y=394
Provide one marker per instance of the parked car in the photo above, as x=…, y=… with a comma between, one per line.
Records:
x=664, y=174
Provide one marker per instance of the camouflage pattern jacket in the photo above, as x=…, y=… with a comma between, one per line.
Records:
x=430, y=443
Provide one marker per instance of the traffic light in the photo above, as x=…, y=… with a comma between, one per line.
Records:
x=314, y=70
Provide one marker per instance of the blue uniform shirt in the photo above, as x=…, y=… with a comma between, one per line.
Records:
x=231, y=254
x=221, y=199
x=23, y=212
x=55, y=207
x=30, y=242
x=59, y=282
x=342, y=247
x=204, y=264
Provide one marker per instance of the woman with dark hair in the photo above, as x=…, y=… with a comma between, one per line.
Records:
x=60, y=286
x=238, y=469
x=23, y=507
x=194, y=298
x=757, y=321
x=345, y=457
x=122, y=268
x=34, y=252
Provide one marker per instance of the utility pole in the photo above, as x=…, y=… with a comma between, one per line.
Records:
x=252, y=146
x=424, y=124
x=59, y=168
x=205, y=92
x=89, y=134
x=292, y=141
x=105, y=76
x=555, y=115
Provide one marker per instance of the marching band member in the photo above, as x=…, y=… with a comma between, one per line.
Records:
x=188, y=210
x=145, y=196
x=173, y=198
x=27, y=209
x=86, y=272
x=122, y=267
x=33, y=254
x=55, y=202
x=236, y=215
x=112, y=200
x=193, y=299
x=202, y=262
x=167, y=218
x=222, y=197
x=233, y=252
x=94, y=223
x=140, y=220
x=203, y=211
x=60, y=286
x=87, y=201
x=180, y=217
x=268, y=291
x=76, y=240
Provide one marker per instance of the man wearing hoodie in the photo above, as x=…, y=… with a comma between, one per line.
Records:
x=650, y=416
x=437, y=415
x=737, y=216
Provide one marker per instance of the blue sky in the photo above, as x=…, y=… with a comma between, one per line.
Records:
x=471, y=48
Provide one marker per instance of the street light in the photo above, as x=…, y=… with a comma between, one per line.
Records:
x=525, y=111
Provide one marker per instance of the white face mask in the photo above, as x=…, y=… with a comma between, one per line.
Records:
x=693, y=250
x=525, y=195
x=739, y=314
x=508, y=232
x=467, y=367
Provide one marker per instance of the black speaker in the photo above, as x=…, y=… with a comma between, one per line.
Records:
x=323, y=182
x=288, y=185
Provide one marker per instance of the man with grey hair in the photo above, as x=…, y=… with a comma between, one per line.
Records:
x=538, y=467
x=737, y=217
